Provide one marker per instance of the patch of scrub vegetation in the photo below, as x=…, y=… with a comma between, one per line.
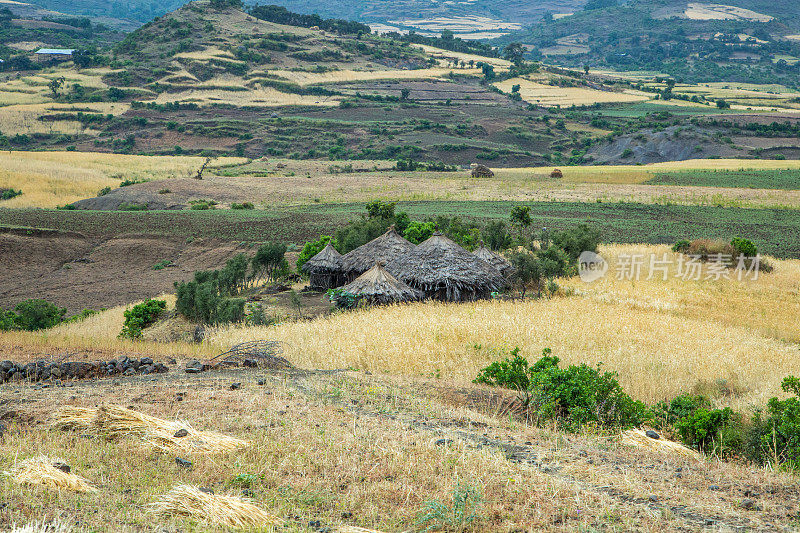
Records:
x=580, y=395
x=785, y=179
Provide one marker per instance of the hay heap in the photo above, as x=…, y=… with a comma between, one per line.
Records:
x=56, y=526
x=494, y=259
x=378, y=287
x=115, y=421
x=639, y=439
x=445, y=271
x=386, y=248
x=50, y=472
x=225, y=511
x=324, y=269
x=482, y=171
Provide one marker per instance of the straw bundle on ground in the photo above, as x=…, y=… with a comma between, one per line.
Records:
x=56, y=526
x=639, y=439
x=445, y=271
x=225, y=511
x=494, y=259
x=50, y=472
x=116, y=421
x=378, y=287
x=385, y=248
x=324, y=269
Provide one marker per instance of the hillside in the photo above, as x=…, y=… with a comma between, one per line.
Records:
x=745, y=41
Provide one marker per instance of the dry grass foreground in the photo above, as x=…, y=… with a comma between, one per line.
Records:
x=663, y=337
x=352, y=449
x=51, y=179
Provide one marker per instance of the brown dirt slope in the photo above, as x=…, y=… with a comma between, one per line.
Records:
x=78, y=272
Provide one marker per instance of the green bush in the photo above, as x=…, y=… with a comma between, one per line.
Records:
x=8, y=194
x=702, y=429
x=496, y=236
x=104, y=191
x=245, y=205
x=310, y=249
x=744, y=247
x=207, y=298
x=779, y=432
x=417, y=232
x=141, y=316
x=32, y=315
x=578, y=239
x=572, y=397
x=270, y=262
x=681, y=246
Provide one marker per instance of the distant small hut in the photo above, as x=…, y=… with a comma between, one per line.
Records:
x=385, y=248
x=445, y=271
x=556, y=174
x=482, y=171
x=494, y=259
x=377, y=287
x=324, y=269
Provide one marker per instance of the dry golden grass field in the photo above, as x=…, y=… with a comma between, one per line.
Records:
x=551, y=96
x=50, y=179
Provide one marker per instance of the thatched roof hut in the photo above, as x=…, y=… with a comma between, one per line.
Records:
x=443, y=270
x=324, y=269
x=385, y=248
x=496, y=260
x=376, y=286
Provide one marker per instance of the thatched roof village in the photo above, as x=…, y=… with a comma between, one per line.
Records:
x=399, y=271
x=386, y=248
x=377, y=286
x=324, y=269
x=445, y=271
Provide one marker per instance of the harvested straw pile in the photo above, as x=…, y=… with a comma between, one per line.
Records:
x=174, y=437
x=225, y=511
x=48, y=472
x=56, y=526
x=639, y=439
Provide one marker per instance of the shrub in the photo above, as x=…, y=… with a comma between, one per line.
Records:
x=496, y=236
x=578, y=239
x=310, y=249
x=141, y=316
x=161, y=265
x=417, y=232
x=128, y=182
x=8, y=194
x=702, y=429
x=709, y=250
x=681, y=246
x=527, y=273
x=244, y=205
x=461, y=514
x=104, y=191
x=780, y=432
x=32, y=315
x=572, y=397
x=207, y=298
x=130, y=206
x=744, y=247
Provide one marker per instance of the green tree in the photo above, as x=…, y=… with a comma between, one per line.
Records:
x=527, y=272
x=405, y=92
x=488, y=72
x=270, y=262
x=496, y=236
x=514, y=52
x=55, y=86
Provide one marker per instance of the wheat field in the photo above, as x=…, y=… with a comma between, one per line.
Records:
x=663, y=337
x=550, y=95
x=343, y=76
x=51, y=179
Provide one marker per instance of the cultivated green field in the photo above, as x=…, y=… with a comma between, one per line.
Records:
x=787, y=179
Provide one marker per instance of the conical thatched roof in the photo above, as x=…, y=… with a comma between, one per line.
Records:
x=327, y=261
x=385, y=248
x=443, y=269
x=378, y=286
x=494, y=259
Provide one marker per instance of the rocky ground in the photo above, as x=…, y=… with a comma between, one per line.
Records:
x=349, y=448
